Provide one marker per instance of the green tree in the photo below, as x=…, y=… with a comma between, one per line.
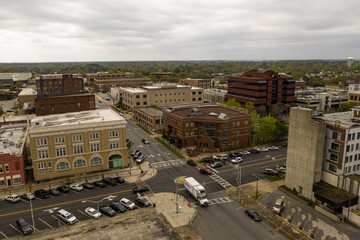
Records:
x=347, y=106
x=267, y=129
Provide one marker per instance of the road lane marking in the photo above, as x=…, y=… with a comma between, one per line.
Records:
x=45, y=223
x=84, y=213
x=65, y=203
x=251, y=165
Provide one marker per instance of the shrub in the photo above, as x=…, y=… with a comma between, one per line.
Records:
x=191, y=163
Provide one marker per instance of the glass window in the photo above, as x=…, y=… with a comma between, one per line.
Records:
x=114, y=145
x=41, y=165
x=77, y=138
x=336, y=135
x=94, y=147
x=17, y=180
x=62, y=166
x=43, y=154
x=113, y=134
x=59, y=140
x=332, y=168
x=78, y=149
x=95, y=161
x=335, y=146
x=94, y=136
x=1, y=168
x=334, y=157
x=7, y=168
x=60, y=152
x=41, y=142
x=79, y=163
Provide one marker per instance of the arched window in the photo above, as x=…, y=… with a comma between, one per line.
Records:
x=79, y=163
x=95, y=161
x=62, y=166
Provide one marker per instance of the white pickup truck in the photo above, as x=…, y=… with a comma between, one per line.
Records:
x=12, y=198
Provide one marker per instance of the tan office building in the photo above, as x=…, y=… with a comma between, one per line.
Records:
x=64, y=145
x=202, y=83
x=160, y=96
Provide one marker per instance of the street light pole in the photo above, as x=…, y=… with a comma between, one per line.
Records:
x=177, y=204
x=32, y=215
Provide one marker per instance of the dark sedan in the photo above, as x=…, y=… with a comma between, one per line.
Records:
x=63, y=189
x=118, y=207
x=254, y=215
x=108, y=211
x=234, y=155
x=253, y=151
x=88, y=186
x=142, y=201
x=140, y=189
x=41, y=193
x=99, y=184
x=109, y=181
x=119, y=179
x=53, y=192
x=23, y=226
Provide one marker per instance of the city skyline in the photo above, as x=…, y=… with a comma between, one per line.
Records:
x=66, y=31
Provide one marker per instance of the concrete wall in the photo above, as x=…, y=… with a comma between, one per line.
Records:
x=305, y=151
x=330, y=178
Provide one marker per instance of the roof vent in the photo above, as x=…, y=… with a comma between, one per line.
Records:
x=213, y=114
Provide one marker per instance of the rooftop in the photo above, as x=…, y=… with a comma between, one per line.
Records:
x=208, y=112
x=66, y=119
x=27, y=91
x=343, y=118
x=133, y=90
x=124, y=78
x=12, y=138
x=152, y=111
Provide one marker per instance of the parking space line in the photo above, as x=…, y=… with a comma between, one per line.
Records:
x=251, y=165
x=59, y=221
x=45, y=223
x=83, y=213
x=3, y=234
x=15, y=228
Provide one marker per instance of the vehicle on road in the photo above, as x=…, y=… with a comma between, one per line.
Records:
x=254, y=151
x=118, y=207
x=140, y=159
x=140, y=189
x=53, y=192
x=207, y=160
x=12, y=198
x=88, y=186
x=76, y=187
x=196, y=190
x=63, y=189
x=236, y=160
x=245, y=153
x=269, y=171
x=281, y=170
x=253, y=214
x=27, y=196
x=234, y=155
x=137, y=155
x=273, y=148
x=204, y=170
x=127, y=203
x=216, y=164
x=278, y=206
x=142, y=201
x=108, y=211
x=41, y=193
x=263, y=149
x=109, y=181
x=92, y=212
x=99, y=184
x=133, y=152
x=119, y=179
x=23, y=226
x=66, y=217
x=145, y=141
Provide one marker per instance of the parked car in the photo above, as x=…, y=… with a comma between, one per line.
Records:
x=220, y=157
x=109, y=181
x=12, y=198
x=88, y=186
x=142, y=201
x=253, y=151
x=92, y=212
x=53, y=192
x=108, y=211
x=127, y=203
x=118, y=207
x=216, y=164
x=140, y=189
x=236, y=160
x=133, y=152
x=23, y=226
x=145, y=141
x=273, y=148
x=137, y=155
x=41, y=193
x=207, y=160
x=269, y=171
x=140, y=159
x=204, y=170
x=278, y=206
x=76, y=187
x=27, y=196
x=263, y=149
x=234, y=155
x=66, y=217
x=99, y=184
x=253, y=214
x=63, y=189
x=281, y=170
x=245, y=153
x=119, y=179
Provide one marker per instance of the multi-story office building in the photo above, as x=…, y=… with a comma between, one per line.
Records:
x=77, y=143
x=61, y=93
x=263, y=88
x=214, y=96
x=12, y=154
x=105, y=75
x=207, y=128
x=105, y=85
x=202, y=83
x=160, y=96
x=27, y=95
x=149, y=117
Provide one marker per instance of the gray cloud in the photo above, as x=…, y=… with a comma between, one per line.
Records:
x=67, y=30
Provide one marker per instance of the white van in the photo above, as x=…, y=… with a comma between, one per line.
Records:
x=279, y=204
x=66, y=217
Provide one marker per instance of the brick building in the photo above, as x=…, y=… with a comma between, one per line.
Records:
x=12, y=154
x=207, y=128
x=263, y=88
x=61, y=93
x=105, y=85
x=202, y=83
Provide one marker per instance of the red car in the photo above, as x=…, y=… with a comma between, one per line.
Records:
x=205, y=171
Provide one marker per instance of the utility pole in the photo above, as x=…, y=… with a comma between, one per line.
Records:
x=177, y=204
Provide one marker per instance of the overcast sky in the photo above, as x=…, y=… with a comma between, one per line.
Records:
x=125, y=30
